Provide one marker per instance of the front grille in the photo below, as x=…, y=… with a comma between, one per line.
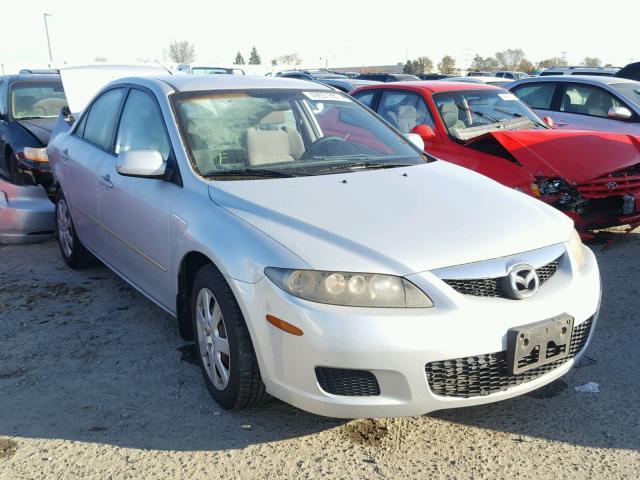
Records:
x=490, y=287
x=346, y=382
x=489, y=373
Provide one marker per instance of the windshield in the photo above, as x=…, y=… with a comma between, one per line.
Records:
x=285, y=132
x=629, y=90
x=469, y=113
x=37, y=100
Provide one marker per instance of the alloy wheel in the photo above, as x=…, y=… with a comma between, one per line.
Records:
x=212, y=339
x=65, y=228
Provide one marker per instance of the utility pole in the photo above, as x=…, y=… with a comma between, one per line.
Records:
x=46, y=29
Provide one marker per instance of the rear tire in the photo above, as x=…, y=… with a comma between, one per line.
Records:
x=225, y=351
x=73, y=251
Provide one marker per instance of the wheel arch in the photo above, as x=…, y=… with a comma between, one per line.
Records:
x=189, y=266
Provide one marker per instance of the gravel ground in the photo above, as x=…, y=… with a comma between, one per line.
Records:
x=95, y=383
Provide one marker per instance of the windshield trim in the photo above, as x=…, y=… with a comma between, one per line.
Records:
x=177, y=96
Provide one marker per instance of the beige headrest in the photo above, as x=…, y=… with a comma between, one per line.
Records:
x=274, y=118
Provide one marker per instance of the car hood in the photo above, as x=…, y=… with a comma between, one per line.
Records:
x=384, y=221
x=578, y=156
x=81, y=83
x=39, y=127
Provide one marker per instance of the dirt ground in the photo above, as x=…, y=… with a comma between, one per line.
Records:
x=95, y=383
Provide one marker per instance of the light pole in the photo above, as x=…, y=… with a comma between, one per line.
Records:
x=46, y=29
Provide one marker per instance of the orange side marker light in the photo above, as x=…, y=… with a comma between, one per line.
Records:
x=284, y=326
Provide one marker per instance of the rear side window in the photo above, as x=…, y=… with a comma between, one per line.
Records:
x=365, y=97
x=142, y=126
x=537, y=95
x=101, y=119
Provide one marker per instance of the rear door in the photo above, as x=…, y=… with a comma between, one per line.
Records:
x=4, y=166
x=82, y=153
x=135, y=212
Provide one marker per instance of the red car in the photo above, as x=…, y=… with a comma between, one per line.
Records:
x=594, y=177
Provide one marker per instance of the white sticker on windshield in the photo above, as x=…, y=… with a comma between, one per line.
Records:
x=507, y=97
x=320, y=96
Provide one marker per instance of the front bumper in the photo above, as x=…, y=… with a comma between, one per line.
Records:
x=26, y=214
x=395, y=345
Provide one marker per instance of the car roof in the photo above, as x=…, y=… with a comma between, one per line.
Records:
x=194, y=83
x=24, y=77
x=436, y=86
x=591, y=79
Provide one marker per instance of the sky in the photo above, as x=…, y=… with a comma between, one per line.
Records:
x=337, y=33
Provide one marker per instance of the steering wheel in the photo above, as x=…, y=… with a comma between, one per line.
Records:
x=321, y=141
x=320, y=144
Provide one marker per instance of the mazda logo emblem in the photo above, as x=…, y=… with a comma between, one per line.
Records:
x=521, y=282
x=612, y=184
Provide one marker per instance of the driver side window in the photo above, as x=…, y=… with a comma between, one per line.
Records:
x=142, y=126
x=404, y=110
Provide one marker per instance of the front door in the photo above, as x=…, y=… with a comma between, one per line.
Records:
x=136, y=212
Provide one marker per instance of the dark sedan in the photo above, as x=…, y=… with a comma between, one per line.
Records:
x=29, y=107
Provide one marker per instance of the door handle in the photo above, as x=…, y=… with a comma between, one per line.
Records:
x=65, y=154
x=106, y=181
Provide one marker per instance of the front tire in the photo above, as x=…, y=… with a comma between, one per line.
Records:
x=225, y=352
x=73, y=251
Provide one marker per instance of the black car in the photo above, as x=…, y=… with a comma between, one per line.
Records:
x=387, y=77
x=432, y=76
x=29, y=107
x=312, y=75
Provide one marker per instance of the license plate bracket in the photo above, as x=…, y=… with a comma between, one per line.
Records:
x=539, y=343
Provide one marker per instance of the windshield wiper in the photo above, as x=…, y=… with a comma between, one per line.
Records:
x=252, y=172
x=362, y=166
x=480, y=114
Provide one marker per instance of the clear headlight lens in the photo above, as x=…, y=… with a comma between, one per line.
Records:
x=35, y=154
x=576, y=249
x=349, y=289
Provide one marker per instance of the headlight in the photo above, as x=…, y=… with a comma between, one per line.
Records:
x=349, y=289
x=576, y=249
x=35, y=154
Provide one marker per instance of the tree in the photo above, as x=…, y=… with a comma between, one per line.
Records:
x=423, y=65
x=481, y=64
x=182, y=52
x=448, y=65
x=591, y=62
x=526, y=66
x=552, y=63
x=417, y=66
x=510, y=59
x=254, y=58
x=288, y=59
x=408, y=68
x=239, y=59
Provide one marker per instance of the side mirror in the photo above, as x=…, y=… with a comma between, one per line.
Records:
x=548, y=121
x=66, y=114
x=141, y=163
x=415, y=139
x=425, y=131
x=621, y=113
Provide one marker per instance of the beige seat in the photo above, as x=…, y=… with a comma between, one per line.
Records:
x=450, y=117
x=405, y=118
x=272, y=142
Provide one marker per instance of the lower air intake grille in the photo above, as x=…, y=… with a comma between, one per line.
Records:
x=352, y=383
x=489, y=373
x=490, y=287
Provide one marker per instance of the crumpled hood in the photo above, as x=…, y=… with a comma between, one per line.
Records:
x=576, y=155
x=381, y=221
x=39, y=127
